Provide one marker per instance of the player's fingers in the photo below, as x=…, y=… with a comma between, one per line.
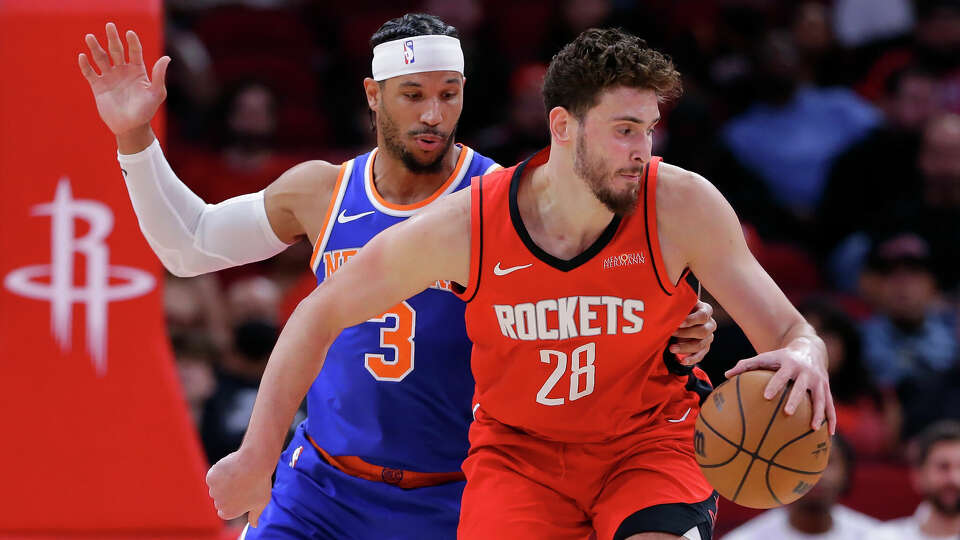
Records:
x=100, y=57
x=694, y=359
x=253, y=516
x=86, y=68
x=760, y=361
x=778, y=382
x=688, y=346
x=819, y=406
x=797, y=394
x=702, y=312
x=136, y=49
x=159, y=75
x=831, y=413
x=114, y=45
x=699, y=331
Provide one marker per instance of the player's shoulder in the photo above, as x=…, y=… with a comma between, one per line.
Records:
x=308, y=177
x=676, y=184
x=310, y=183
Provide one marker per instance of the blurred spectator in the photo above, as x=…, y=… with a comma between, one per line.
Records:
x=196, y=305
x=246, y=161
x=860, y=22
x=912, y=333
x=816, y=514
x=936, y=47
x=869, y=419
x=937, y=214
x=228, y=410
x=195, y=356
x=822, y=62
x=868, y=180
x=523, y=132
x=790, y=137
x=253, y=305
x=936, y=476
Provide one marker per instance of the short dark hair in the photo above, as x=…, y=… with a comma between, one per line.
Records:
x=599, y=59
x=938, y=432
x=410, y=25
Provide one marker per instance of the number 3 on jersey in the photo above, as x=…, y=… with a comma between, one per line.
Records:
x=399, y=338
x=582, y=373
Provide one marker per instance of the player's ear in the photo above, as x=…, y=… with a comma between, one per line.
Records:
x=561, y=124
x=373, y=91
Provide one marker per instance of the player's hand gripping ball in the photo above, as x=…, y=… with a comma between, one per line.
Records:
x=752, y=452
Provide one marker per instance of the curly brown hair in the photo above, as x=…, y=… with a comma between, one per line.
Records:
x=599, y=59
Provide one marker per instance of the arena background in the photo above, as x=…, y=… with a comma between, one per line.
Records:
x=831, y=126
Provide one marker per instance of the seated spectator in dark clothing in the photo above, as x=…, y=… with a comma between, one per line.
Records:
x=870, y=419
x=936, y=47
x=790, y=138
x=253, y=305
x=937, y=216
x=913, y=332
x=227, y=412
x=195, y=355
x=869, y=179
x=246, y=161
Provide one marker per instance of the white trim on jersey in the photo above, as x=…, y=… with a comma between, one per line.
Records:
x=368, y=185
x=321, y=245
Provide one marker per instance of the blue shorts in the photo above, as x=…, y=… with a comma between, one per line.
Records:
x=313, y=500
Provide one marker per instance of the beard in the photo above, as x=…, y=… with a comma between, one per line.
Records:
x=947, y=504
x=592, y=170
x=394, y=145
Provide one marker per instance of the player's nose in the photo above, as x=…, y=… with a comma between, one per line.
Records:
x=431, y=114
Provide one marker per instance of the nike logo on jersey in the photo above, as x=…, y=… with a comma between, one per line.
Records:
x=504, y=271
x=344, y=218
x=681, y=419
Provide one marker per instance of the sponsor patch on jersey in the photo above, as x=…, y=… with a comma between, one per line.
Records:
x=624, y=259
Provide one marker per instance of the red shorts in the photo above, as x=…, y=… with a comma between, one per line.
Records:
x=521, y=486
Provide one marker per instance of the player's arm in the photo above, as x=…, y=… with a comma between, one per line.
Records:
x=704, y=232
x=188, y=235
x=397, y=264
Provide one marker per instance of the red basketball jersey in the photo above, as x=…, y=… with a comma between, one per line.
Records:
x=572, y=350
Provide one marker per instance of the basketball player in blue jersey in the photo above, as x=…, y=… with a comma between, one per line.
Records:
x=380, y=453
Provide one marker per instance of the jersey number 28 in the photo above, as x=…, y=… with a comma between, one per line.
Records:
x=582, y=373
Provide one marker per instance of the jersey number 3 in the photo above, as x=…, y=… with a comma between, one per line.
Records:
x=399, y=338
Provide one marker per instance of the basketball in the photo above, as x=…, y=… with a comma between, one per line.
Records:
x=752, y=452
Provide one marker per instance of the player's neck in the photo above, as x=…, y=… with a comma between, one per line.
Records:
x=399, y=185
x=559, y=211
x=937, y=524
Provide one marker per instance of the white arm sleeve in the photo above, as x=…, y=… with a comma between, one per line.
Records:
x=189, y=236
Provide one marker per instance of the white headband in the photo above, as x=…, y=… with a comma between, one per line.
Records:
x=416, y=55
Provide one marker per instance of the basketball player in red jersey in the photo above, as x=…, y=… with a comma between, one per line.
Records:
x=575, y=275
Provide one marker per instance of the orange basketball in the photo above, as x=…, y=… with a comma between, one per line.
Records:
x=751, y=451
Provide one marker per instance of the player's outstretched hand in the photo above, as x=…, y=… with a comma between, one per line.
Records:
x=694, y=335
x=126, y=98
x=797, y=364
x=237, y=487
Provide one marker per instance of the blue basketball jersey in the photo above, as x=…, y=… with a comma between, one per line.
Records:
x=395, y=390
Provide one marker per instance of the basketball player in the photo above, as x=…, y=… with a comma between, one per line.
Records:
x=574, y=277
x=380, y=453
